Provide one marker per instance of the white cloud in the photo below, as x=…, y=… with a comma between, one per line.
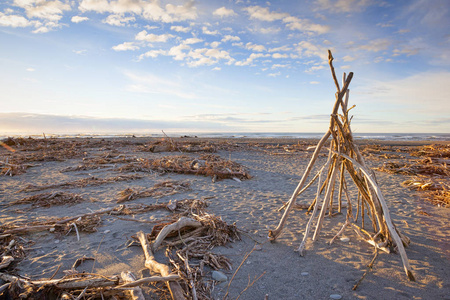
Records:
x=224, y=12
x=282, y=48
x=152, y=54
x=205, y=30
x=191, y=41
x=126, y=46
x=257, y=48
x=314, y=82
x=250, y=59
x=205, y=56
x=279, y=55
x=406, y=50
x=348, y=58
x=309, y=49
x=14, y=21
x=215, y=44
x=343, y=6
x=79, y=19
x=279, y=66
x=269, y=30
x=230, y=38
x=150, y=37
x=375, y=45
x=150, y=10
x=180, y=29
x=294, y=23
x=80, y=52
x=46, y=10
x=177, y=52
x=217, y=69
x=31, y=69
x=118, y=20
x=274, y=74
x=264, y=14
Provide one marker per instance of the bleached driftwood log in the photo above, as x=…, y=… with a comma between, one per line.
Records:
x=150, y=263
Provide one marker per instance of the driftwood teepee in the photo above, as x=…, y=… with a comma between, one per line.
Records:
x=344, y=158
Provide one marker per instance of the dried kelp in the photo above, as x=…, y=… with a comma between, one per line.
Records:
x=50, y=199
x=103, y=161
x=205, y=165
x=421, y=167
x=437, y=192
x=435, y=151
x=89, y=181
x=176, y=145
x=161, y=189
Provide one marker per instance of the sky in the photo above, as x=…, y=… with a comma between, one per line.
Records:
x=142, y=66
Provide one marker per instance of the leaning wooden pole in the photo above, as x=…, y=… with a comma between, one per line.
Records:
x=344, y=158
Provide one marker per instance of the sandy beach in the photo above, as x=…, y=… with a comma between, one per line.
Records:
x=94, y=174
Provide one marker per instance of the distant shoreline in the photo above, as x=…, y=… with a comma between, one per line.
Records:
x=243, y=140
x=258, y=136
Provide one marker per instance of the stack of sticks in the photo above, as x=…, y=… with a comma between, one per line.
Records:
x=345, y=161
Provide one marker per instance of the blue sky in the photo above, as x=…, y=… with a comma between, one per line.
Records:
x=135, y=66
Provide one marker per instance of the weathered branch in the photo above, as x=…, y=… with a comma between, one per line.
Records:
x=150, y=263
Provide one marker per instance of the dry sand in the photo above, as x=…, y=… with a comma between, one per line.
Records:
x=251, y=204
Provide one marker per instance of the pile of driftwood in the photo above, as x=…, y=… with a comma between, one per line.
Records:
x=345, y=161
x=205, y=165
x=188, y=239
x=170, y=145
x=161, y=189
x=430, y=173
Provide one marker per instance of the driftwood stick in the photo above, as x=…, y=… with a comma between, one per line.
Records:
x=347, y=222
x=309, y=225
x=70, y=283
x=6, y=261
x=99, y=212
x=174, y=287
x=326, y=200
x=138, y=282
x=135, y=291
x=398, y=241
x=27, y=229
x=174, y=227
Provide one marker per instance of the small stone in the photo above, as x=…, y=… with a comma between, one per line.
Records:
x=56, y=241
x=258, y=247
x=52, y=229
x=335, y=296
x=345, y=239
x=304, y=273
x=107, y=231
x=219, y=276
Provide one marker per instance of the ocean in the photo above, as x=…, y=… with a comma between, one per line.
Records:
x=261, y=135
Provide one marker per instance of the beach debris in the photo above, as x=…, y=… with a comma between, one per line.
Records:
x=344, y=158
x=189, y=236
x=50, y=199
x=431, y=173
x=436, y=190
x=89, y=181
x=161, y=189
x=205, y=165
x=168, y=144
